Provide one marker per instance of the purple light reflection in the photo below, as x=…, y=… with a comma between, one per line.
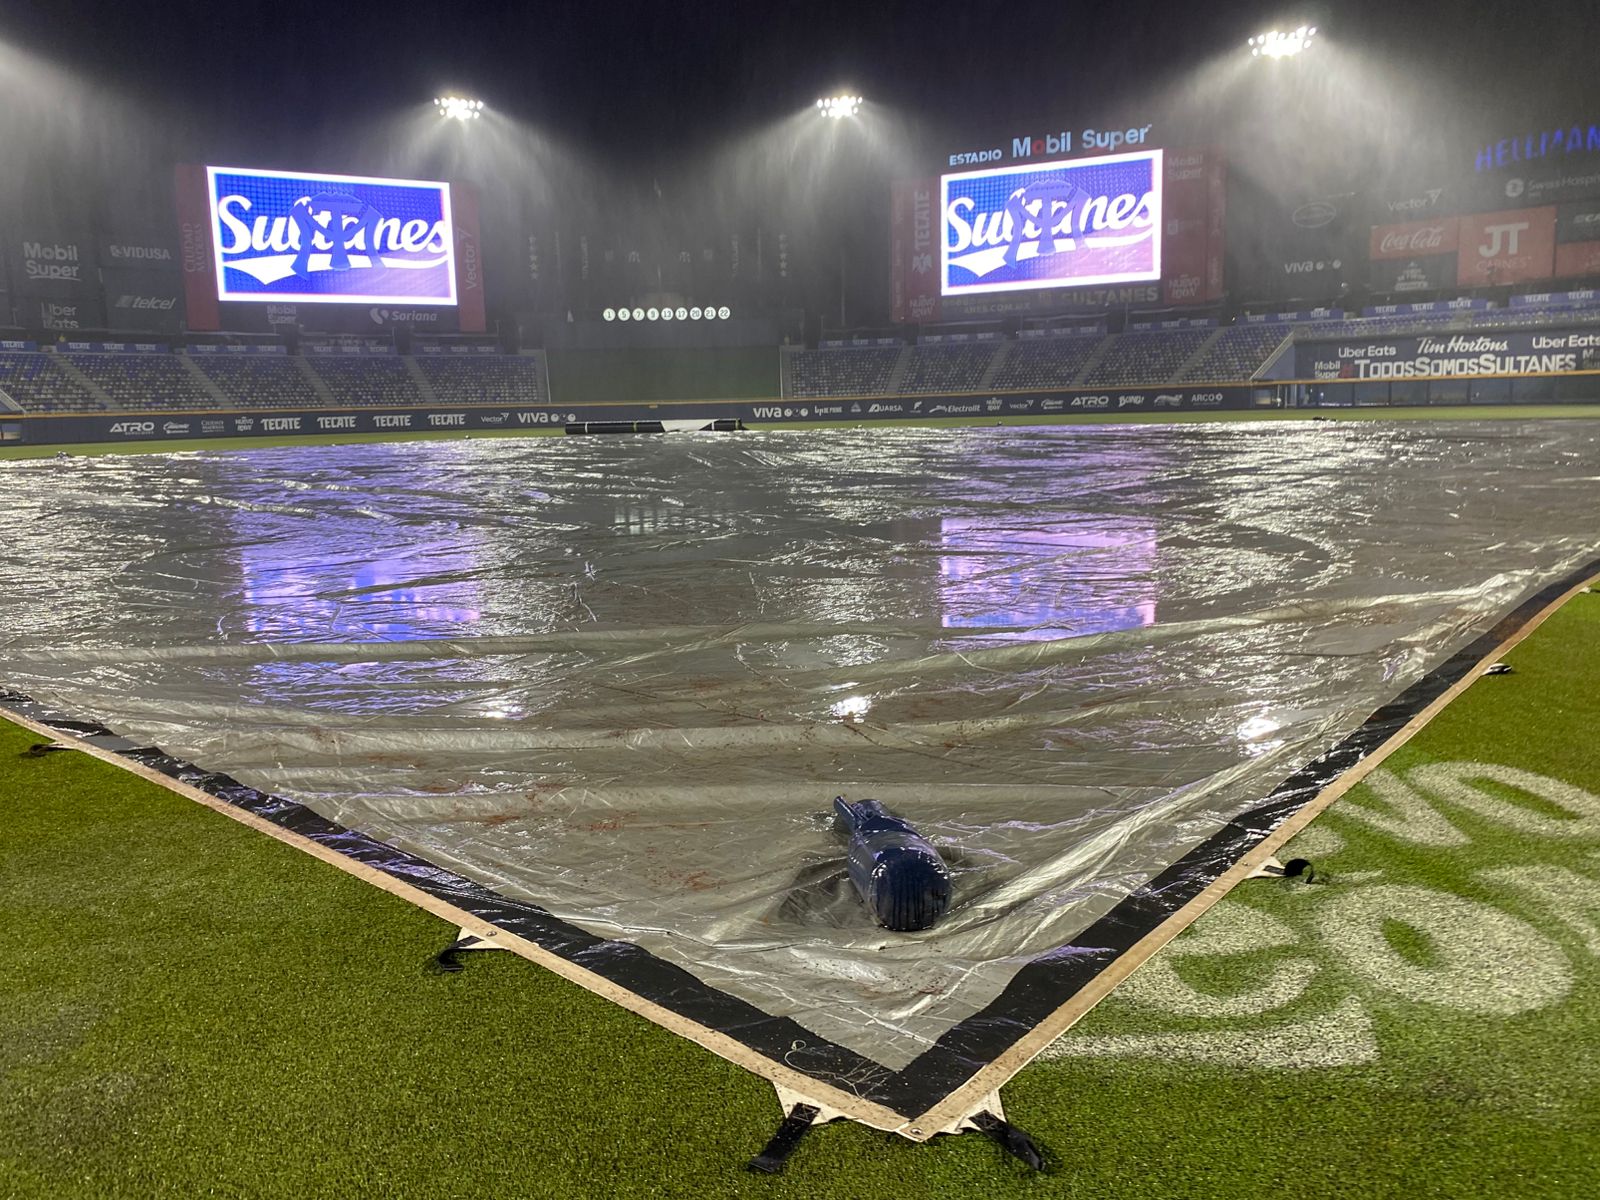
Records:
x=1058, y=575
x=340, y=578
x=380, y=599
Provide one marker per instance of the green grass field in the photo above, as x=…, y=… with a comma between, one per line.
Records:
x=192, y=1008
x=1440, y=413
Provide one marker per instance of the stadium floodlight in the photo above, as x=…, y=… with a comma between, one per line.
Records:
x=458, y=108
x=837, y=107
x=1276, y=43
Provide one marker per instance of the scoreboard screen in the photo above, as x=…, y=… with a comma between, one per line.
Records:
x=1070, y=223
x=284, y=236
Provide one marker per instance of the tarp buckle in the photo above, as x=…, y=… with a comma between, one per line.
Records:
x=449, y=961
x=1293, y=869
x=40, y=749
x=802, y=1113
x=1008, y=1137
x=797, y=1122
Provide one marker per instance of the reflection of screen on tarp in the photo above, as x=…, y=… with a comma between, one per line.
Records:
x=996, y=575
x=330, y=239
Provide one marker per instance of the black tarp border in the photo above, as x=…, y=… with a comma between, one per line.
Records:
x=1038, y=990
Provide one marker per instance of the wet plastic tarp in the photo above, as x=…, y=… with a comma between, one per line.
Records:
x=625, y=678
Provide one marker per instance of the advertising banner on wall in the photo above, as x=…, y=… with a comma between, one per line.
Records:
x=1399, y=276
x=1425, y=200
x=336, y=318
x=1071, y=223
x=1216, y=227
x=470, y=310
x=1071, y=300
x=1578, y=260
x=1195, y=203
x=1413, y=256
x=1579, y=222
x=146, y=300
x=51, y=262
x=1578, y=239
x=1578, y=298
x=1506, y=247
x=1532, y=184
x=82, y=311
x=1450, y=355
x=1303, y=247
x=196, y=257
x=131, y=427
x=140, y=249
x=914, y=251
x=1411, y=239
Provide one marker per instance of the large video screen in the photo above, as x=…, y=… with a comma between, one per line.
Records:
x=330, y=239
x=1070, y=223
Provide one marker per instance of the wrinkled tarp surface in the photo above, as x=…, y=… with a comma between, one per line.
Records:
x=625, y=678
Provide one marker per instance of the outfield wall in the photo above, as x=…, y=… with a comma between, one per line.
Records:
x=1580, y=387
x=47, y=429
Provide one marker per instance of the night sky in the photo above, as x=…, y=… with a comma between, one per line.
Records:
x=650, y=82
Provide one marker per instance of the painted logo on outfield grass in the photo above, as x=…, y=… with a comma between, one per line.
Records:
x=1303, y=985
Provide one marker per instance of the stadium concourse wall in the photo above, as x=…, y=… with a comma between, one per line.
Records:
x=661, y=373
x=52, y=428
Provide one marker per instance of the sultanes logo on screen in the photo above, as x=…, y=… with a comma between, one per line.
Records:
x=342, y=239
x=1049, y=225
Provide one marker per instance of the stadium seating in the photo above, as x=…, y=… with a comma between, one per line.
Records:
x=35, y=381
x=1046, y=362
x=1146, y=357
x=40, y=381
x=1238, y=353
x=144, y=382
x=937, y=368
x=363, y=382
x=1535, y=318
x=852, y=372
x=486, y=379
x=1392, y=325
x=260, y=381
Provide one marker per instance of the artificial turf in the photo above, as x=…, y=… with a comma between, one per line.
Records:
x=191, y=1008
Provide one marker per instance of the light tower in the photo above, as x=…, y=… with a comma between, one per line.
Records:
x=838, y=107
x=1276, y=43
x=458, y=108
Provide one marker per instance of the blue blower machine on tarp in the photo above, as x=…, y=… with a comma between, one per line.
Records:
x=897, y=871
